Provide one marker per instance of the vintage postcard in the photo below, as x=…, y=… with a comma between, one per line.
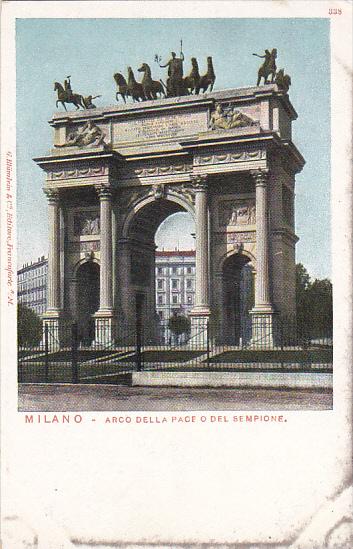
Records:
x=176, y=274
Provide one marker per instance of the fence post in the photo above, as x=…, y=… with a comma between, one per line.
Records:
x=74, y=346
x=46, y=350
x=138, y=344
x=208, y=342
x=281, y=333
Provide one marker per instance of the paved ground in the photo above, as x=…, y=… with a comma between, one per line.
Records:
x=53, y=398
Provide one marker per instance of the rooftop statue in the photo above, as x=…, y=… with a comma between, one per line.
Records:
x=208, y=79
x=134, y=88
x=151, y=88
x=192, y=81
x=282, y=80
x=89, y=135
x=66, y=95
x=268, y=68
x=175, y=85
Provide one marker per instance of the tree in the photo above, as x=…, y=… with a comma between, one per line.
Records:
x=179, y=324
x=313, y=304
x=29, y=327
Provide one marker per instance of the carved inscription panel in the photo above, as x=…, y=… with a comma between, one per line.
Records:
x=161, y=126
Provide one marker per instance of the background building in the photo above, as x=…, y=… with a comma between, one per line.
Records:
x=175, y=283
x=32, y=285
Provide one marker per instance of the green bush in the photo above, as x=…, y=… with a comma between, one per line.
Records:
x=29, y=327
x=179, y=324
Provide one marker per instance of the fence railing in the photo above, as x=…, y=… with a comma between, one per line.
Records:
x=61, y=355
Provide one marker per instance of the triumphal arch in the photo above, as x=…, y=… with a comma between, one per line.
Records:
x=115, y=173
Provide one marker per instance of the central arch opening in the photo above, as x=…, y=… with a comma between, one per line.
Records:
x=162, y=264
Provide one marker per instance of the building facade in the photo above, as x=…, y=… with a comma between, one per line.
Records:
x=175, y=282
x=116, y=173
x=32, y=285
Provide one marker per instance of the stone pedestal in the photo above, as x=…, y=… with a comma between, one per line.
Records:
x=263, y=332
x=59, y=331
x=104, y=328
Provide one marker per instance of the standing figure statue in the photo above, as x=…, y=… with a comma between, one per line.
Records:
x=175, y=84
x=68, y=89
x=268, y=67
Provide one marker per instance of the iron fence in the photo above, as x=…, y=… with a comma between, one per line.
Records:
x=113, y=352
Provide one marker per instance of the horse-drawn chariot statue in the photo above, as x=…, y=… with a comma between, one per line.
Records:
x=176, y=83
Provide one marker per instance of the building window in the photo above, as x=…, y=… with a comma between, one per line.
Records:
x=174, y=299
x=189, y=299
x=175, y=284
x=160, y=284
x=189, y=270
x=160, y=299
x=189, y=284
x=174, y=270
x=160, y=270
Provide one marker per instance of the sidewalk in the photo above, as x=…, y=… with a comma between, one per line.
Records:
x=64, y=397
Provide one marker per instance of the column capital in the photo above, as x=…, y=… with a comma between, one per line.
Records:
x=260, y=177
x=52, y=196
x=104, y=191
x=199, y=182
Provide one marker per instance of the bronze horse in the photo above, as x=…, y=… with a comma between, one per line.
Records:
x=151, y=88
x=122, y=87
x=193, y=79
x=63, y=97
x=207, y=79
x=135, y=89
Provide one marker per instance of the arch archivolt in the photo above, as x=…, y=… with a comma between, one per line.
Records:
x=155, y=195
x=81, y=262
x=242, y=252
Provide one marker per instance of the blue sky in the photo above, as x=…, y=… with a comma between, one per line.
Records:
x=92, y=50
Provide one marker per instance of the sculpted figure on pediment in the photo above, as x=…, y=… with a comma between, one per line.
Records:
x=89, y=135
x=226, y=119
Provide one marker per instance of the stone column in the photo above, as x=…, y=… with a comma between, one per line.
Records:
x=54, y=252
x=262, y=313
x=104, y=318
x=201, y=311
x=52, y=316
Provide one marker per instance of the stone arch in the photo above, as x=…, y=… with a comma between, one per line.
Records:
x=245, y=253
x=137, y=252
x=141, y=203
x=81, y=262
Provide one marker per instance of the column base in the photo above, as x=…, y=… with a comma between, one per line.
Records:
x=262, y=328
x=59, y=335
x=105, y=326
x=199, y=318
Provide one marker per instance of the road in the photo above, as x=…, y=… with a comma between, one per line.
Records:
x=55, y=398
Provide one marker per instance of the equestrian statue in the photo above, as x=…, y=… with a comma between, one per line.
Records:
x=66, y=95
x=268, y=68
